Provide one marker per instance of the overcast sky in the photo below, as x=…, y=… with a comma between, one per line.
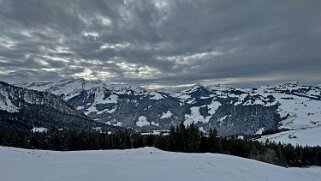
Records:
x=161, y=42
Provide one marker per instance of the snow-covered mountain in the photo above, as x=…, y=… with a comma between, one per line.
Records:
x=134, y=107
x=30, y=110
x=140, y=164
x=291, y=108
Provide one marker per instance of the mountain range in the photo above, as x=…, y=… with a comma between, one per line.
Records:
x=283, y=112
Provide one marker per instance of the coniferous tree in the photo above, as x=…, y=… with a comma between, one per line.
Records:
x=193, y=138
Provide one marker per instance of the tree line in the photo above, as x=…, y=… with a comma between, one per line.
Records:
x=179, y=139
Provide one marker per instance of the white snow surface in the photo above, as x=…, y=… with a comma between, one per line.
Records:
x=39, y=130
x=100, y=99
x=114, y=123
x=140, y=164
x=142, y=121
x=195, y=117
x=213, y=107
x=260, y=131
x=154, y=123
x=156, y=95
x=167, y=114
x=310, y=137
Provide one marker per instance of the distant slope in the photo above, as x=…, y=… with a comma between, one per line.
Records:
x=23, y=109
x=300, y=110
x=140, y=164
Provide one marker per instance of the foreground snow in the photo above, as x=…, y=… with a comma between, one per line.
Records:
x=139, y=164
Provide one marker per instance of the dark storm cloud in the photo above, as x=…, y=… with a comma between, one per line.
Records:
x=161, y=42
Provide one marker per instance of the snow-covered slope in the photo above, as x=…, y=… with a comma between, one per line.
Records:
x=300, y=110
x=232, y=111
x=140, y=164
x=306, y=136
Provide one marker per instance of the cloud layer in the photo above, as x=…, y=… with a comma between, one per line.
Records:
x=161, y=42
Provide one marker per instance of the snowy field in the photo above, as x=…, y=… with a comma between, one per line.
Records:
x=139, y=164
x=303, y=137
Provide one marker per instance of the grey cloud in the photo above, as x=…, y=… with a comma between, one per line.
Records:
x=161, y=42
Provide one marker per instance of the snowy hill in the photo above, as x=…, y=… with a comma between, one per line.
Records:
x=287, y=107
x=140, y=164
